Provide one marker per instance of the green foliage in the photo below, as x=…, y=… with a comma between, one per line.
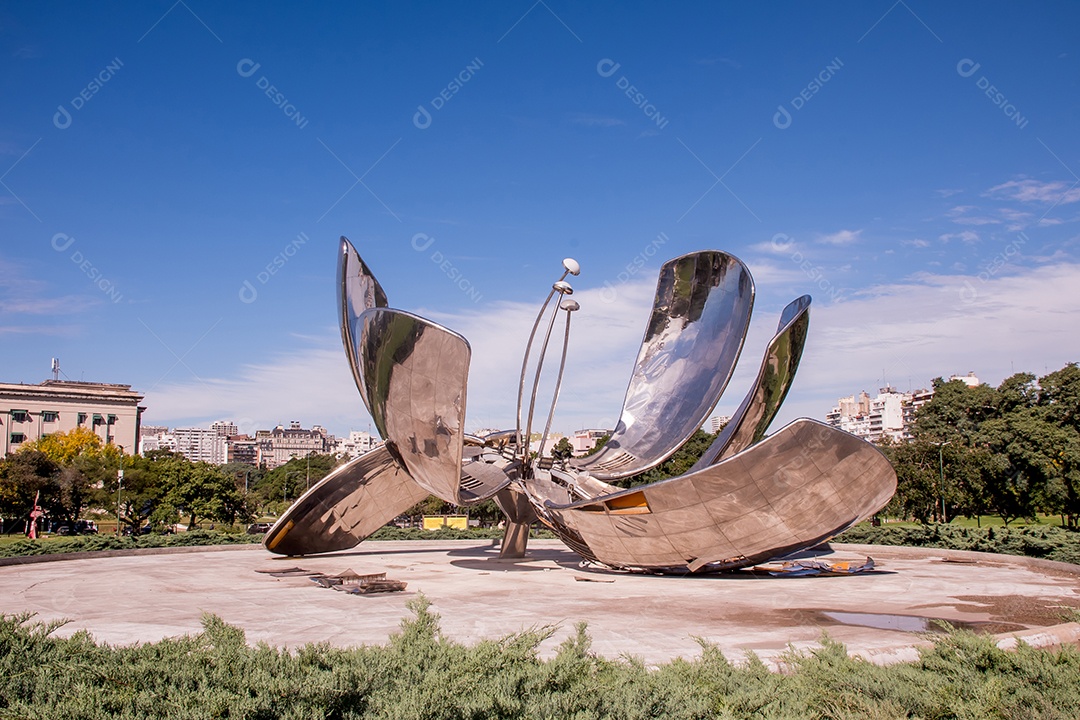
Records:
x=88, y=543
x=1051, y=543
x=678, y=464
x=1013, y=451
x=421, y=674
x=562, y=450
x=289, y=481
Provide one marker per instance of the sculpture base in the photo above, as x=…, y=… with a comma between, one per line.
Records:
x=514, y=541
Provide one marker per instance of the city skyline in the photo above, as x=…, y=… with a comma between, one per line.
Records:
x=174, y=225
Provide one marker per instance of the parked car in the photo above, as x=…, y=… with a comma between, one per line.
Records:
x=258, y=528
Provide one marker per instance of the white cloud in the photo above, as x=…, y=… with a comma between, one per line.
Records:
x=1030, y=190
x=903, y=333
x=844, y=237
x=967, y=236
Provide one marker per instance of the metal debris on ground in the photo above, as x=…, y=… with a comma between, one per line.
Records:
x=819, y=568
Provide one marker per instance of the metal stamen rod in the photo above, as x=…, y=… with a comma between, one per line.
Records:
x=569, y=306
x=570, y=267
x=563, y=288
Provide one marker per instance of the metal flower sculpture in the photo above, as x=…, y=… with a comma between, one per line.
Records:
x=748, y=499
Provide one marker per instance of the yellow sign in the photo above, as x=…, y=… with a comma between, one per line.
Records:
x=434, y=522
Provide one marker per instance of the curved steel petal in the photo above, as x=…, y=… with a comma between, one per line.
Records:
x=792, y=491
x=695, y=334
x=749, y=423
x=345, y=507
x=358, y=291
x=415, y=374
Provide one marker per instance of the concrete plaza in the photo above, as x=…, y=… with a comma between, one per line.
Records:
x=146, y=597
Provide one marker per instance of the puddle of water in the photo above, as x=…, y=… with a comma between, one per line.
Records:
x=913, y=623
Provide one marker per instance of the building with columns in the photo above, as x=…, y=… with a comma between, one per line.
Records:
x=29, y=412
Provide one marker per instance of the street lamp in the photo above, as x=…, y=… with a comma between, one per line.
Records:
x=941, y=470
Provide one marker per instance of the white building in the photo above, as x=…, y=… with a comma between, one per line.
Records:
x=224, y=428
x=585, y=440
x=718, y=421
x=280, y=445
x=162, y=439
x=970, y=380
x=201, y=445
x=29, y=412
x=356, y=444
x=889, y=415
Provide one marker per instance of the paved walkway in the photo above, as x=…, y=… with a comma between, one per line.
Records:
x=145, y=598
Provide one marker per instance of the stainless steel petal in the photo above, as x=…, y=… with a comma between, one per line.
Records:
x=750, y=422
x=789, y=492
x=695, y=334
x=345, y=507
x=415, y=374
x=358, y=291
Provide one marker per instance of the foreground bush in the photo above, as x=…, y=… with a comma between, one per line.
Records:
x=420, y=674
x=85, y=543
x=1051, y=543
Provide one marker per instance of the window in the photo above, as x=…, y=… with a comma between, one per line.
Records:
x=20, y=416
x=17, y=438
x=50, y=416
x=82, y=418
x=112, y=419
x=98, y=419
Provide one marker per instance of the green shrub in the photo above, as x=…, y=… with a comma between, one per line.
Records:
x=1049, y=542
x=86, y=543
x=421, y=674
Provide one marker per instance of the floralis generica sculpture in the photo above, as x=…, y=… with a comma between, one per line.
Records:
x=750, y=498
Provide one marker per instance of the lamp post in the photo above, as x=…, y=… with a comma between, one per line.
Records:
x=941, y=476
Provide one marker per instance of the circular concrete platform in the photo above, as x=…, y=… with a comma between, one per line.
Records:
x=143, y=598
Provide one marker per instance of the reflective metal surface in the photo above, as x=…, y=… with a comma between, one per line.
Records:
x=415, y=373
x=789, y=492
x=345, y=507
x=750, y=498
x=357, y=291
x=693, y=339
x=757, y=410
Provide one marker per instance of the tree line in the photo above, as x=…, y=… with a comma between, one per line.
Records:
x=73, y=475
x=1011, y=451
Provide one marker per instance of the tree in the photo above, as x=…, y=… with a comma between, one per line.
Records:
x=678, y=464
x=562, y=450
x=22, y=476
x=198, y=490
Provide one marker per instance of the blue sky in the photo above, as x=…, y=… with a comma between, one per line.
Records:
x=175, y=177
